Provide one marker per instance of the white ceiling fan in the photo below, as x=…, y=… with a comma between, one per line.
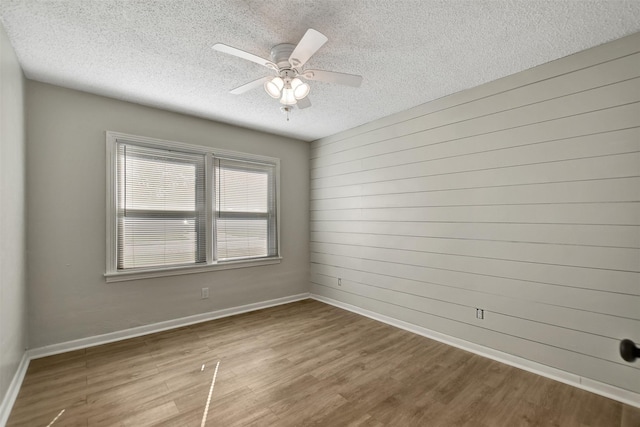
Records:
x=287, y=61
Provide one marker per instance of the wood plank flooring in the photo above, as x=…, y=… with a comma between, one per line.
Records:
x=300, y=364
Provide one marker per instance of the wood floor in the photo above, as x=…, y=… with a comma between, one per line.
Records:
x=300, y=364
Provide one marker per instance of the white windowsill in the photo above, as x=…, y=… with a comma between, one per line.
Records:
x=175, y=271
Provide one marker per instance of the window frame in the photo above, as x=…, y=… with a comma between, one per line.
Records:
x=245, y=166
x=112, y=274
x=140, y=215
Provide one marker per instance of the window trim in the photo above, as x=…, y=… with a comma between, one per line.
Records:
x=111, y=272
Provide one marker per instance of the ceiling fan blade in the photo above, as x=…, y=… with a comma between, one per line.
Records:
x=248, y=86
x=244, y=55
x=333, y=77
x=308, y=45
x=304, y=103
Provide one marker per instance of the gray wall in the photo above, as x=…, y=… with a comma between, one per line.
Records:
x=69, y=298
x=13, y=285
x=519, y=197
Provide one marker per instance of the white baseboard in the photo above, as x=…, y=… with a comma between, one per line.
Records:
x=14, y=388
x=49, y=350
x=606, y=390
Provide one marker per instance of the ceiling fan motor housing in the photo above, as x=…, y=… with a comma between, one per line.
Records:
x=280, y=55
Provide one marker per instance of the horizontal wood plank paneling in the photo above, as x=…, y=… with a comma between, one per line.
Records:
x=592, y=300
x=590, y=123
x=495, y=271
x=598, y=144
x=521, y=197
x=589, y=169
x=624, y=259
x=611, y=190
x=605, y=325
x=561, y=234
x=570, y=213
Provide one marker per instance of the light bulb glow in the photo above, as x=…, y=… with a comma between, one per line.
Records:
x=300, y=89
x=274, y=86
x=288, y=97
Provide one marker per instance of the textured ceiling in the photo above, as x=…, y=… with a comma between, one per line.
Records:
x=409, y=52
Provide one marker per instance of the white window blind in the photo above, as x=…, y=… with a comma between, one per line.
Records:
x=245, y=209
x=160, y=208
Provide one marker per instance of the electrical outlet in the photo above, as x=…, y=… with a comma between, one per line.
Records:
x=204, y=294
x=339, y=281
x=479, y=313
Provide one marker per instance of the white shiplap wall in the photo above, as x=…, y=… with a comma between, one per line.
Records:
x=521, y=197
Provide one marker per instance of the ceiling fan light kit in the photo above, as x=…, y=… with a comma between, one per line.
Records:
x=287, y=61
x=288, y=90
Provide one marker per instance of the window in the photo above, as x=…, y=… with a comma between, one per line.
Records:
x=174, y=208
x=161, y=217
x=245, y=209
